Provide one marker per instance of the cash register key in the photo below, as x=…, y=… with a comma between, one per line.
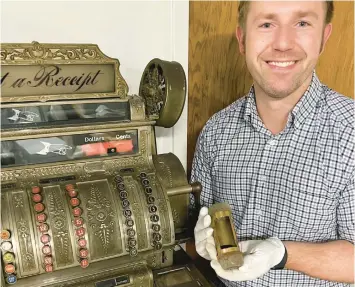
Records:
x=143, y=175
x=46, y=250
x=158, y=245
x=148, y=190
x=125, y=203
x=123, y=194
x=80, y=232
x=156, y=236
x=5, y=234
x=145, y=182
x=127, y=213
x=45, y=238
x=36, y=189
x=72, y=193
x=84, y=253
x=129, y=222
x=150, y=199
x=39, y=207
x=131, y=232
x=43, y=227
x=42, y=217
x=69, y=187
x=133, y=251
x=8, y=257
x=78, y=221
x=48, y=268
x=82, y=242
x=118, y=178
x=9, y=268
x=6, y=246
x=132, y=242
x=154, y=218
x=74, y=202
x=48, y=260
x=156, y=227
x=152, y=209
x=11, y=279
x=84, y=263
x=37, y=197
x=120, y=187
x=77, y=211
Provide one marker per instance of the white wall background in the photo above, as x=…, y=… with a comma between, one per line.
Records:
x=132, y=31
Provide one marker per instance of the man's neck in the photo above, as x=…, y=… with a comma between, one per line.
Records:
x=274, y=112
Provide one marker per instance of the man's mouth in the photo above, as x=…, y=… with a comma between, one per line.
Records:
x=282, y=64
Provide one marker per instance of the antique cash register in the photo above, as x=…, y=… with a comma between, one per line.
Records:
x=85, y=198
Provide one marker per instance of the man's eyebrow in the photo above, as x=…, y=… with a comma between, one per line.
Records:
x=298, y=14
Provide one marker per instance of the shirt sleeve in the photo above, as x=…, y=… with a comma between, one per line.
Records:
x=346, y=213
x=201, y=169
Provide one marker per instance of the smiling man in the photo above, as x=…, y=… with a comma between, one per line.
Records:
x=282, y=156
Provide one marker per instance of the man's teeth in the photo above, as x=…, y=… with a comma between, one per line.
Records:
x=281, y=64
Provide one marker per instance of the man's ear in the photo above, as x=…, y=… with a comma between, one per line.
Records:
x=241, y=40
x=326, y=34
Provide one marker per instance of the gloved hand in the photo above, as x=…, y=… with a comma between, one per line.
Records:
x=204, y=240
x=259, y=257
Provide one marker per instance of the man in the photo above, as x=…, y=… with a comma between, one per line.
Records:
x=282, y=156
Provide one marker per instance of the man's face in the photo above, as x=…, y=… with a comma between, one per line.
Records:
x=282, y=42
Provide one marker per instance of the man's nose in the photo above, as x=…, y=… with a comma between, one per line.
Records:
x=284, y=39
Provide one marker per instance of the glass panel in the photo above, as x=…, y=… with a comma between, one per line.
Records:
x=63, y=148
x=40, y=116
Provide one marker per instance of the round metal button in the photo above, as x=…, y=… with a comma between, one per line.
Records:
x=150, y=199
x=11, y=279
x=43, y=227
x=127, y=213
x=9, y=268
x=80, y=232
x=120, y=187
x=69, y=187
x=84, y=263
x=39, y=207
x=156, y=236
x=72, y=193
x=83, y=253
x=48, y=260
x=145, y=182
x=148, y=190
x=154, y=218
x=42, y=217
x=133, y=251
x=118, y=178
x=37, y=197
x=36, y=189
x=46, y=250
x=8, y=257
x=78, y=221
x=6, y=246
x=77, y=211
x=153, y=209
x=129, y=222
x=132, y=242
x=131, y=232
x=82, y=242
x=143, y=175
x=125, y=203
x=45, y=238
x=48, y=268
x=5, y=234
x=74, y=201
x=123, y=194
x=156, y=227
x=158, y=246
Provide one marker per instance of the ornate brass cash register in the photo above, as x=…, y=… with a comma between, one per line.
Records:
x=85, y=198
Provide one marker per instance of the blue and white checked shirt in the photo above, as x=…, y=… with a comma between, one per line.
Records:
x=297, y=185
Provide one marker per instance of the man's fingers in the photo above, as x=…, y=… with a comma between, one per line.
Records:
x=203, y=211
x=211, y=249
x=231, y=275
x=203, y=234
x=203, y=222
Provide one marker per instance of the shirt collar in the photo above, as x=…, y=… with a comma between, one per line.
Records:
x=300, y=112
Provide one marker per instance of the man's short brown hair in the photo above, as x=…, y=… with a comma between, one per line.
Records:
x=244, y=6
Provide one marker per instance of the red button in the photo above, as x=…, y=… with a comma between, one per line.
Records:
x=9, y=268
x=77, y=211
x=69, y=187
x=74, y=201
x=45, y=238
x=37, y=198
x=72, y=193
x=39, y=207
x=48, y=260
x=80, y=232
x=47, y=250
x=5, y=234
x=78, y=221
x=82, y=242
x=36, y=189
x=41, y=217
x=83, y=253
x=84, y=263
x=43, y=227
x=49, y=268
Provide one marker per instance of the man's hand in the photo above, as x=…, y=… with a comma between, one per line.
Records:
x=259, y=257
x=203, y=234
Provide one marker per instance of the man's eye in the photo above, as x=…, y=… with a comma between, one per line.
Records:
x=303, y=24
x=265, y=25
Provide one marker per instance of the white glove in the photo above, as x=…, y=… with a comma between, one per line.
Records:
x=204, y=240
x=259, y=257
